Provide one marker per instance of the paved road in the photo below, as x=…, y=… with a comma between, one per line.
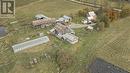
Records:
x=74, y=26
x=91, y=4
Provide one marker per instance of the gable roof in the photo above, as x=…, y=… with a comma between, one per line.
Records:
x=38, y=16
x=101, y=66
x=43, y=21
x=92, y=13
x=70, y=36
x=63, y=29
x=29, y=44
x=66, y=17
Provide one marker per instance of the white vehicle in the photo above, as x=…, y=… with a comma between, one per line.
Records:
x=86, y=21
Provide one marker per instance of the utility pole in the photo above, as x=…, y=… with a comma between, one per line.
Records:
x=101, y=4
x=122, y=4
x=94, y=2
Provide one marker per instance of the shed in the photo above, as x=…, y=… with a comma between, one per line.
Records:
x=64, y=19
x=61, y=19
x=67, y=17
x=102, y=66
x=40, y=16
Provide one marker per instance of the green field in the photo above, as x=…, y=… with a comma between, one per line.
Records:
x=111, y=44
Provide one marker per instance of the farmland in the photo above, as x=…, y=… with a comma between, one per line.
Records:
x=111, y=45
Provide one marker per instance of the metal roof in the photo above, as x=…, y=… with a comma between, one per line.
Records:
x=40, y=16
x=70, y=36
x=66, y=17
x=29, y=44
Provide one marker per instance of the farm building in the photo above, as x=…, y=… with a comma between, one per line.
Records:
x=40, y=16
x=64, y=19
x=101, y=66
x=91, y=17
x=65, y=33
x=62, y=29
x=71, y=38
x=44, y=22
x=29, y=44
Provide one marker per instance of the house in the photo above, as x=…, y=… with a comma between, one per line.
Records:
x=44, y=22
x=64, y=19
x=65, y=33
x=40, y=16
x=29, y=44
x=92, y=14
x=91, y=18
x=101, y=66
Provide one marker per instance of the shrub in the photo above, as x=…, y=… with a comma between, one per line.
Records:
x=125, y=12
x=63, y=59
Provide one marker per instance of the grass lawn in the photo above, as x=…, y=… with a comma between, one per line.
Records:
x=105, y=44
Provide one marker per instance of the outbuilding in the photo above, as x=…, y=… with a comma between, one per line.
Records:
x=71, y=38
x=65, y=33
x=64, y=19
x=40, y=16
x=44, y=22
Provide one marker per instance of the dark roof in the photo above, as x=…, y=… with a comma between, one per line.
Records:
x=43, y=21
x=101, y=66
x=2, y=31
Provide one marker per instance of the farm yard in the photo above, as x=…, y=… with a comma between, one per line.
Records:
x=111, y=44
